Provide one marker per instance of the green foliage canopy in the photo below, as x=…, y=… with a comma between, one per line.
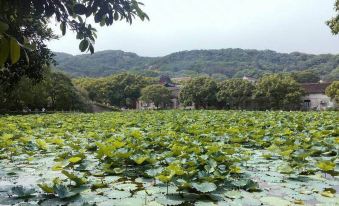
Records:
x=24, y=29
x=333, y=91
x=121, y=90
x=306, y=77
x=158, y=94
x=68, y=13
x=55, y=92
x=236, y=93
x=278, y=91
x=200, y=91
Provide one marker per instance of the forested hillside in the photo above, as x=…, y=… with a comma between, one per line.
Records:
x=101, y=63
x=220, y=63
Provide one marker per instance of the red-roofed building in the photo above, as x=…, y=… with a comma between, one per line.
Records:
x=315, y=97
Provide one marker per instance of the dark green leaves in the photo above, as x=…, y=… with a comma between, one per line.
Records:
x=116, y=16
x=4, y=50
x=14, y=50
x=80, y=9
x=83, y=45
x=91, y=48
x=3, y=27
x=63, y=28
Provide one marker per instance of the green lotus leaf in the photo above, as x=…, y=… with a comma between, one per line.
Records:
x=74, y=160
x=233, y=194
x=164, y=178
x=22, y=192
x=126, y=186
x=285, y=169
x=240, y=183
x=326, y=165
x=117, y=194
x=78, y=180
x=169, y=200
x=63, y=192
x=139, y=159
x=57, y=167
x=118, y=170
x=204, y=187
x=46, y=188
x=275, y=201
x=328, y=192
x=154, y=172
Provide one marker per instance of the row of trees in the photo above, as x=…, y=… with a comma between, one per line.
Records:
x=58, y=92
x=275, y=91
x=121, y=90
x=55, y=92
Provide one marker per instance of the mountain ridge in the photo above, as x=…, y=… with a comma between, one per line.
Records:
x=216, y=62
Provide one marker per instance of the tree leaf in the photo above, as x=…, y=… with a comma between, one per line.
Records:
x=4, y=50
x=3, y=27
x=83, y=45
x=80, y=9
x=63, y=28
x=15, y=50
x=91, y=48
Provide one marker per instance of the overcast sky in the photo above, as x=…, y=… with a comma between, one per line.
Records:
x=176, y=25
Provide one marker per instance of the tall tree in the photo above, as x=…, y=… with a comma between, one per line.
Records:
x=278, y=91
x=62, y=93
x=55, y=92
x=157, y=94
x=333, y=91
x=24, y=29
x=200, y=91
x=333, y=23
x=235, y=93
x=306, y=77
x=121, y=90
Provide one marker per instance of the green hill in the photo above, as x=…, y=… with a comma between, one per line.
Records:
x=220, y=63
x=101, y=63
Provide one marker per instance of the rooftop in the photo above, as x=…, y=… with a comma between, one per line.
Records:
x=315, y=88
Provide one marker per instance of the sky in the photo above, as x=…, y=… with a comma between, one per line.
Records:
x=176, y=25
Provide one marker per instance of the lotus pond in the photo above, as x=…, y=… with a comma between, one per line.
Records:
x=170, y=158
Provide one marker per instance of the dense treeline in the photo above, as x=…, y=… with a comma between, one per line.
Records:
x=277, y=91
x=274, y=91
x=121, y=90
x=55, y=92
x=220, y=64
x=58, y=92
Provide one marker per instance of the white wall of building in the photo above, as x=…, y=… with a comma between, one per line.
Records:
x=318, y=101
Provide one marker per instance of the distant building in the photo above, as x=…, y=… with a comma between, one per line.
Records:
x=250, y=79
x=315, y=97
x=174, y=88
